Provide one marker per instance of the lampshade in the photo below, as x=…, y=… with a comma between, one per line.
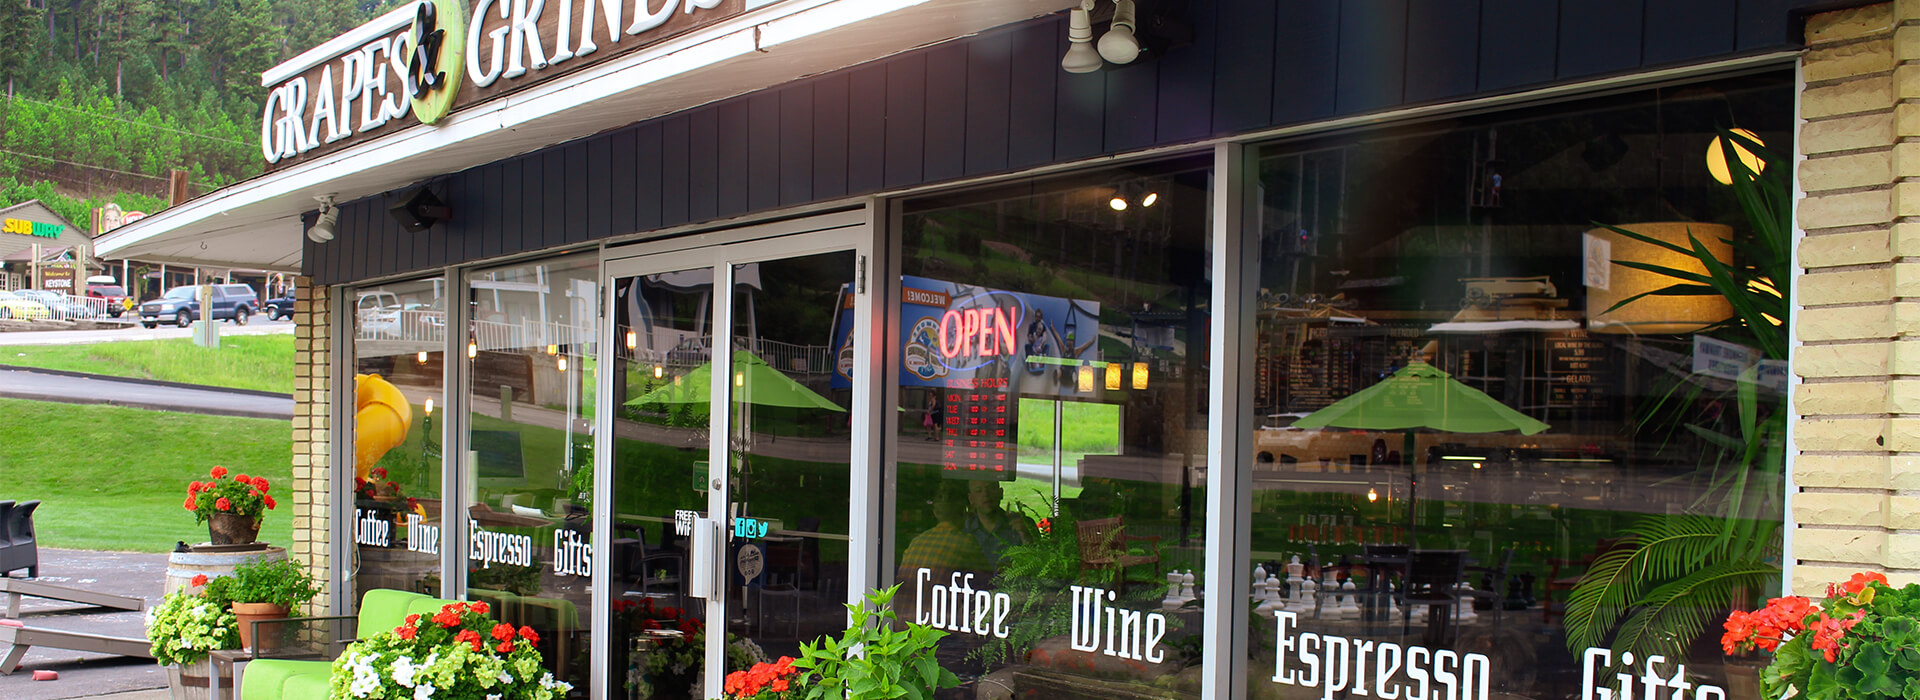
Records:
x=1083, y=379
x=1652, y=314
x=1113, y=376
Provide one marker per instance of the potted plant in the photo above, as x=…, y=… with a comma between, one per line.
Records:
x=779, y=680
x=1860, y=642
x=262, y=590
x=873, y=659
x=458, y=652
x=231, y=508
x=183, y=628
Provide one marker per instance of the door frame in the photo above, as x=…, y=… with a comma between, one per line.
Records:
x=858, y=231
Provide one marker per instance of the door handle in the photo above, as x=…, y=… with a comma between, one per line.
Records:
x=706, y=543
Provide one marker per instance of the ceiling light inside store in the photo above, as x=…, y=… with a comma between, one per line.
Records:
x=473, y=349
x=1083, y=378
x=1139, y=375
x=631, y=340
x=553, y=349
x=1113, y=376
x=1717, y=157
x=1118, y=203
x=429, y=407
x=1149, y=200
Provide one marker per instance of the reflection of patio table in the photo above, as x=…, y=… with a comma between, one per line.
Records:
x=488, y=516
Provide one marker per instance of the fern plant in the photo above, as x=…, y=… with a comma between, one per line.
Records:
x=1674, y=574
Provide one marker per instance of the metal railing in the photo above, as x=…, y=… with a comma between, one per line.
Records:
x=65, y=307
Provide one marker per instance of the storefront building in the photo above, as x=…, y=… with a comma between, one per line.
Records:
x=1303, y=355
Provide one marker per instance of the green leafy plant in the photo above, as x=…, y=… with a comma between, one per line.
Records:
x=873, y=660
x=185, y=626
x=1655, y=592
x=280, y=582
x=242, y=495
x=1862, y=642
x=458, y=652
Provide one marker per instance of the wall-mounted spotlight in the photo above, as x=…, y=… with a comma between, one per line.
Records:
x=322, y=229
x=1081, y=56
x=1119, y=45
x=1129, y=194
x=1127, y=37
x=418, y=210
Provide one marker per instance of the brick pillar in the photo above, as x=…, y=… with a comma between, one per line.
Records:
x=312, y=477
x=1858, y=432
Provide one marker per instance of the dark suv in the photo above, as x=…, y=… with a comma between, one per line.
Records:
x=233, y=302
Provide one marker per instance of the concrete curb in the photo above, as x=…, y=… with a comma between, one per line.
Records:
x=136, y=380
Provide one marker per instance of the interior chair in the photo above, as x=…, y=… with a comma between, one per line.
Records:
x=1496, y=591
x=1104, y=545
x=1556, y=581
x=305, y=678
x=643, y=564
x=1431, y=578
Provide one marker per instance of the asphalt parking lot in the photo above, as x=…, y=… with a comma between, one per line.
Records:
x=88, y=674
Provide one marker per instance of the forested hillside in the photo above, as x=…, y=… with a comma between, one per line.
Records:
x=103, y=97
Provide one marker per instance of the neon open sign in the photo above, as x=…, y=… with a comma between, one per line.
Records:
x=978, y=329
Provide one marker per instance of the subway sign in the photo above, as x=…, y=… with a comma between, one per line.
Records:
x=419, y=63
x=36, y=229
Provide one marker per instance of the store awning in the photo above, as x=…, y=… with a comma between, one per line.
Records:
x=256, y=223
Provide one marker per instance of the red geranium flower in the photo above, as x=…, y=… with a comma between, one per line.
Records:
x=223, y=504
x=218, y=472
x=528, y=634
x=189, y=505
x=270, y=503
x=503, y=632
x=1860, y=580
x=406, y=631
x=260, y=482
x=470, y=637
x=505, y=647
x=481, y=607
x=200, y=579
x=779, y=685
x=413, y=619
x=447, y=618
x=244, y=479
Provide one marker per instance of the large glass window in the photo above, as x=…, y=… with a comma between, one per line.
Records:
x=1050, y=503
x=530, y=451
x=399, y=342
x=1467, y=416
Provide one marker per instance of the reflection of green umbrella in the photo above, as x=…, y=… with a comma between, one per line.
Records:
x=758, y=383
x=1420, y=397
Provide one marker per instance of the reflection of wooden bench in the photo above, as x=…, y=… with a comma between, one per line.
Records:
x=24, y=638
x=15, y=588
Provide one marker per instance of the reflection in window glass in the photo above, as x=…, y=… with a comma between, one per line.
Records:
x=1464, y=408
x=1050, y=511
x=530, y=451
x=399, y=342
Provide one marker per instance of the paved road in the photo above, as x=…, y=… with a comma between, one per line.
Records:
x=85, y=673
x=95, y=389
x=258, y=326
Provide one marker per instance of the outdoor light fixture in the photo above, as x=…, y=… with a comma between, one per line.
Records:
x=1113, y=376
x=418, y=210
x=1119, y=45
x=1083, y=379
x=473, y=349
x=1372, y=495
x=562, y=363
x=739, y=379
x=553, y=349
x=429, y=407
x=1139, y=375
x=421, y=357
x=322, y=229
x=1081, y=56
x=658, y=371
x=631, y=340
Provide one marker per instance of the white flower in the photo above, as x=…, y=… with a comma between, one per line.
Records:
x=423, y=691
x=546, y=680
x=493, y=696
x=403, y=672
x=505, y=677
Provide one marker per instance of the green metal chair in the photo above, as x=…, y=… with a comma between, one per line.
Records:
x=306, y=679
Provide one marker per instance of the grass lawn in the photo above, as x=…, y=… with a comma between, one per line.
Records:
x=112, y=478
x=263, y=362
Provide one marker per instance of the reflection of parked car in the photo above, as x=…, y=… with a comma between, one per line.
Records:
x=60, y=305
x=234, y=302
x=113, y=295
x=378, y=313
x=15, y=306
x=278, y=307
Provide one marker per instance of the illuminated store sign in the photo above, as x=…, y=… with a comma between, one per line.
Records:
x=31, y=228
x=410, y=68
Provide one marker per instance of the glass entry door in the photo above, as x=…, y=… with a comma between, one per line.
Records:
x=731, y=458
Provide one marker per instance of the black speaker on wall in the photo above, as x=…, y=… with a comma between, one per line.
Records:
x=418, y=209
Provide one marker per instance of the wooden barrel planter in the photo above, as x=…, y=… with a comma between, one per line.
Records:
x=213, y=561
x=193, y=682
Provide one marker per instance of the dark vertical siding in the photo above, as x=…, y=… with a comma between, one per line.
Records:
x=1443, y=44
x=945, y=139
x=763, y=151
x=998, y=101
x=1599, y=36
x=1306, y=46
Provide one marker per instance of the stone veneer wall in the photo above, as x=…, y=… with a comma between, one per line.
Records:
x=312, y=474
x=1857, y=468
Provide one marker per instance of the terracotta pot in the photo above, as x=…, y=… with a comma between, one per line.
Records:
x=248, y=612
x=227, y=528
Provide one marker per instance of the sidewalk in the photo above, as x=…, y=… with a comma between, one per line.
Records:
x=85, y=674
